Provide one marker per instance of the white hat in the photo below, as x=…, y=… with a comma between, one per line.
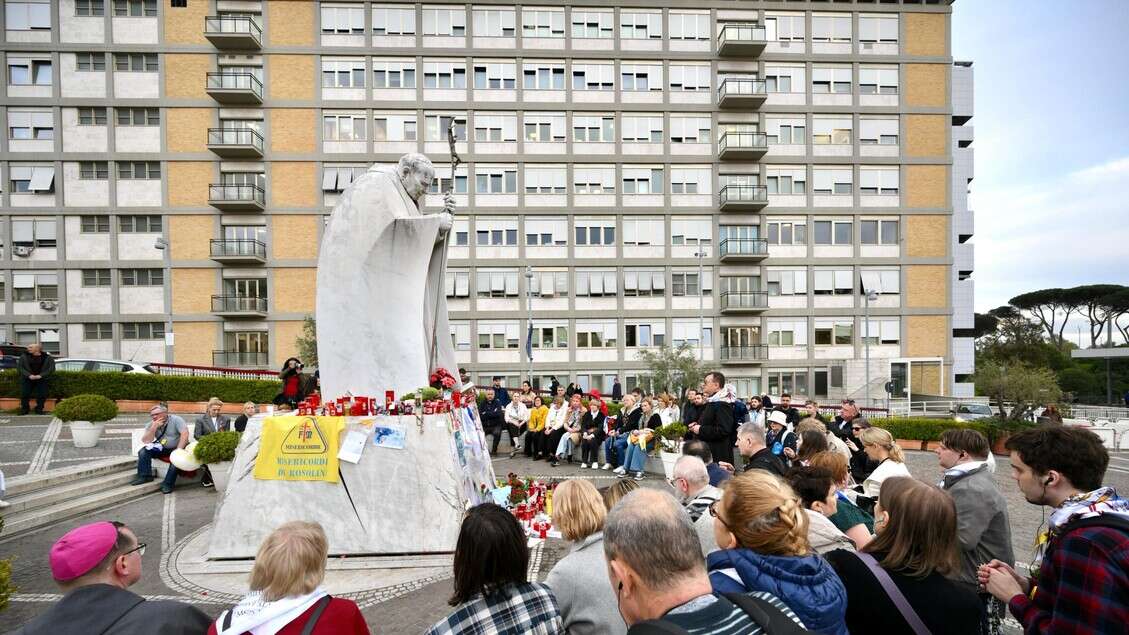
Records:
x=778, y=416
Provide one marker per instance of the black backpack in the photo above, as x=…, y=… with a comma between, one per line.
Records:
x=771, y=619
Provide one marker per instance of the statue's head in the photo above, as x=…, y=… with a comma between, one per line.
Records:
x=416, y=173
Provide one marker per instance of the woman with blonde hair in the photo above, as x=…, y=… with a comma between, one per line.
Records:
x=250, y=409
x=762, y=531
x=286, y=595
x=579, y=580
x=617, y=490
x=669, y=412
x=880, y=447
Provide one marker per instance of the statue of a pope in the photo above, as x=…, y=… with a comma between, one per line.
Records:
x=381, y=305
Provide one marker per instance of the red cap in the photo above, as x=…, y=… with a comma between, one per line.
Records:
x=80, y=549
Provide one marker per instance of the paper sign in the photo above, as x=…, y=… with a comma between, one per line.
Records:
x=389, y=435
x=353, y=446
x=299, y=449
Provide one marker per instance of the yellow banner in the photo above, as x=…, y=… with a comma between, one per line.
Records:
x=299, y=449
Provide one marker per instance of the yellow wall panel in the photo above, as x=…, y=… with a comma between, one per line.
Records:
x=194, y=342
x=927, y=33
x=295, y=236
x=188, y=183
x=927, y=85
x=192, y=290
x=927, y=286
x=186, y=75
x=286, y=336
x=186, y=129
x=189, y=236
x=294, y=184
x=926, y=186
x=927, y=135
x=927, y=335
x=185, y=25
x=290, y=23
x=293, y=130
x=927, y=236
x=291, y=76
x=294, y=289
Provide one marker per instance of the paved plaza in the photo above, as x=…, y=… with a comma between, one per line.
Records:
x=168, y=525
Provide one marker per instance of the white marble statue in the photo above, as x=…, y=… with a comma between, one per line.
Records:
x=380, y=299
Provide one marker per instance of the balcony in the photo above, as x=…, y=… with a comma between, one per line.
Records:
x=233, y=32
x=239, y=306
x=743, y=249
x=235, y=143
x=742, y=198
x=234, y=88
x=742, y=145
x=741, y=40
x=744, y=354
x=747, y=302
x=238, y=251
x=737, y=92
x=239, y=359
x=236, y=198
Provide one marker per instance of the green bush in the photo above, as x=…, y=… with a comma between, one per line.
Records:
x=148, y=387
x=672, y=432
x=6, y=586
x=926, y=429
x=217, y=447
x=429, y=394
x=91, y=408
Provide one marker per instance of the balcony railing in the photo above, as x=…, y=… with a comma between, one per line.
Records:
x=234, y=88
x=239, y=358
x=236, y=198
x=238, y=249
x=744, y=248
x=234, y=304
x=235, y=142
x=742, y=39
x=743, y=196
x=233, y=31
x=754, y=353
x=744, y=301
x=742, y=145
x=741, y=91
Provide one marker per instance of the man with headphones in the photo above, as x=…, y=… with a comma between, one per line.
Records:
x=1079, y=579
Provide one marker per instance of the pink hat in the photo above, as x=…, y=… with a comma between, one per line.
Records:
x=80, y=549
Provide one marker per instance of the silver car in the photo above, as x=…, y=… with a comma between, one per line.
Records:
x=102, y=366
x=972, y=412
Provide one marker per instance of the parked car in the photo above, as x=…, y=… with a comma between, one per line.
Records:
x=103, y=366
x=972, y=412
x=10, y=354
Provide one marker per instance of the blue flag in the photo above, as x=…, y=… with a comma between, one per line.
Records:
x=529, y=343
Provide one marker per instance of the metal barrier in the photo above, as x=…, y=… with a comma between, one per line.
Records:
x=183, y=370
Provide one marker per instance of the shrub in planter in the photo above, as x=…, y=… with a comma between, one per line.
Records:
x=92, y=408
x=217, y=447
x=671, y=435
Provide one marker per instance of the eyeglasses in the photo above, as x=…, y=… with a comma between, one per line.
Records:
x=140, y=549
x=713, y=512
x=856, y=428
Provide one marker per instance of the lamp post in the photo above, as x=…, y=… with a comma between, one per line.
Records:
x=701, y=253
x=871, y=295
x=163, y=245
x=529, y=312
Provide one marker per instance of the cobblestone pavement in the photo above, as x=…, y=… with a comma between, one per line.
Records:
x=29, y=444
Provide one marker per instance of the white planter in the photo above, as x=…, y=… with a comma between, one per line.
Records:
x=86, y=434
x=669, y=459
x=221, y=472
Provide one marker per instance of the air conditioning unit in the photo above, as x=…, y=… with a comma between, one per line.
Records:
x=23, y=251
x=48, y=305
x=868, y=46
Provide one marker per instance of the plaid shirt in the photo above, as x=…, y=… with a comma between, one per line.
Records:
x=515, y=609
x=1083, y=588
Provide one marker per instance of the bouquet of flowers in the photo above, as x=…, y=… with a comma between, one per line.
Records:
x=442, y=379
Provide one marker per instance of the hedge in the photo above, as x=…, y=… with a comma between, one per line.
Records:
x=147, y=387
x=925, y=429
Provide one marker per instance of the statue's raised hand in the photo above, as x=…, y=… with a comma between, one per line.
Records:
x=449, y=202
x=446, y=221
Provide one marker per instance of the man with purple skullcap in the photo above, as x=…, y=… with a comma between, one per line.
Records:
x=94, y=565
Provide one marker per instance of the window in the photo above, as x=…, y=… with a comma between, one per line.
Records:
x=879, y=232
x=831, y=130
x=834, y=332
x=457, y=284
x=593, y=180
x=878, y=131
x=689, y=26
x=878, y=28
x=541, y=128
x=27, y=16
x=592, y=24
x=546, y=232
x=830, y=28
x=644, y=334
x=394, y=74
x=135, y=62
x=32, y=287
x=542, y=23
x=442, y=181
x=780, y=282
x=90, y=61
x=644, y=282
x=550, y=335
x=139, y=169
x=880, y=81
x=593, y=77
x=786, y=131
x=349, y=19
x=786, y=180
x=640, y=25
x=690, y=77
x=548, y=284
x=787, y=332
x=643, y=231
x=784, y=28
x=690, y=180
x=392, y=21
x=884, y=281
x=494, y=23
x=32, y=179
x=31, y=125
x=786, y=232
x=348, y=126
x=33, y=232
x=343, y=73
x=436, y=127
x=596, y=333
x=95, y=277
x=335, y=178
x=832, y=232
x=451, y=22
x=690, y=231
x=495, y=232
x=642, y=129
x=93, y=170
x=89, y=8
x=139, y=224
x=496, y=283
x=542, y=76
x=690, y=129
x=595, y=232
x=92, y=116
x=784, y=79
x=139, y=116
x=393, y=128
x=640, y=77
x=595, y=283
x=494, y=76
x=687, y=283
x=882, y=331
x=443, y=75
x=836, y=181
x=545, y=180
x=831, y=80
x=642, y=180
x=95, y=224
x=878, y=181
x=25, y=72
x=135, y=8
x=143, y=331
x=495, y=180
x=97, y=331
x=497, y=335
x=593, y=129
x=833, y=281
x=142, y=277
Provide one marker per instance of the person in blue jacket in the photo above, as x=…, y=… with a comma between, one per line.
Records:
x=762, y=531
